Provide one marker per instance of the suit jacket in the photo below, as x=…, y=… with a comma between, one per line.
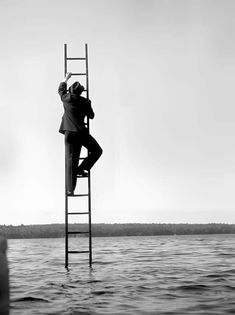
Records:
x=76, y=108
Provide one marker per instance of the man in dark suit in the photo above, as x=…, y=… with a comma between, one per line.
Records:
x=76, y=108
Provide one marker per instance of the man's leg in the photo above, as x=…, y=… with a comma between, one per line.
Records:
x=69, y=161
x=95, y=152
x=76, y=156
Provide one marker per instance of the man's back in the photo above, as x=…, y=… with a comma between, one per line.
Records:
x=76, y=108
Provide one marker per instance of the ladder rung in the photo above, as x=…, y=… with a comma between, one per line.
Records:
x=81, y=73
x=71, y=58
x=83, y=90
x=82, y=176
x=78, y=212
x=78, y=251
x=79, y=232
x=80, y=195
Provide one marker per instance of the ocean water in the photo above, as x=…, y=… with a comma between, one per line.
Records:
x=130, y=275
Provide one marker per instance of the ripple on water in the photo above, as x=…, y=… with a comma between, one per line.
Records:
x=130, y=275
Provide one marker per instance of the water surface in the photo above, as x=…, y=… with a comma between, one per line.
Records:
x=130, y=275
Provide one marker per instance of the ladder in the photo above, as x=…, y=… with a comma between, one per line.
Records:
x=88, y=177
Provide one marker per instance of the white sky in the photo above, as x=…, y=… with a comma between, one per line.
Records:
x=161, y=85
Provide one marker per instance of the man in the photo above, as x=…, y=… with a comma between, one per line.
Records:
x=76, y=108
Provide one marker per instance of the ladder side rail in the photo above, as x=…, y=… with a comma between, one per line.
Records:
x=65, y=59
x=66, y=196
x=89, y=175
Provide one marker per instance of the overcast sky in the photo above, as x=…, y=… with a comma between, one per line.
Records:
x=162, y=87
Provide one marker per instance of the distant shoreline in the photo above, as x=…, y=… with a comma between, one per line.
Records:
x=115, y=229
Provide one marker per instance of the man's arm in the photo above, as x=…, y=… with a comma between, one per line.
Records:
x=67, y=77
x=62, y=90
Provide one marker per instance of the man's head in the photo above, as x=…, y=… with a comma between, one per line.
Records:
x=76, y=88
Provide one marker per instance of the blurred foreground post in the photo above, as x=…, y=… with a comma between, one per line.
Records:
x=4, y=278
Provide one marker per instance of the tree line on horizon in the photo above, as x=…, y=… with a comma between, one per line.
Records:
x=116, y=229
